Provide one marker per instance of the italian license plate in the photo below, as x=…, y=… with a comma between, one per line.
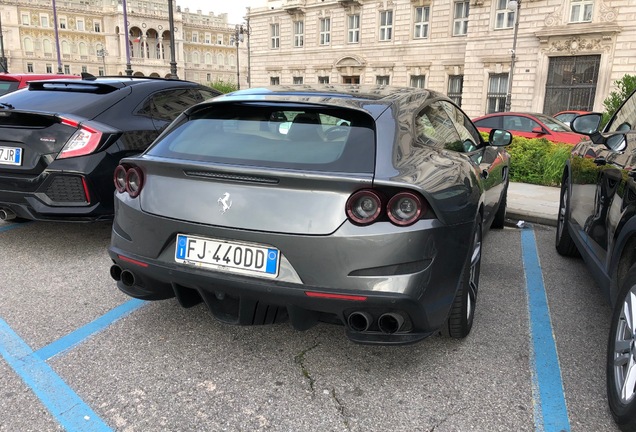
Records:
x=10, y=156
x=227, y=256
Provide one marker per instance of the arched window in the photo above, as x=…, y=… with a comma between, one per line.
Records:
x=231, y=60
x=66, y=48
x=28, y=44
x=220, y=59
x=47, y=46
x=195, y=57
x=83, y=49
x=208, y=58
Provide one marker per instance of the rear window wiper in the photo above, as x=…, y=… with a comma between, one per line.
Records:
x=6, y=105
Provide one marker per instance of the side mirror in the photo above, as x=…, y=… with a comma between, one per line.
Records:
x=616, y=142
x=586, y=124
x=538, y=130
x=499, y=138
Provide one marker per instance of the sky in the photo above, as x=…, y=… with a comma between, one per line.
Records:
x=234, y=8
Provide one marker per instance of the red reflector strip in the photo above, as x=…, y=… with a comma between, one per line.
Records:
x=132, y=261
x=335, y=296
x=86, y=193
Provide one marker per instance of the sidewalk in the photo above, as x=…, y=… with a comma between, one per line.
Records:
x=533, y=203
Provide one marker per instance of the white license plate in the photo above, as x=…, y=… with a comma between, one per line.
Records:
x=10, y=156
x=227, y=256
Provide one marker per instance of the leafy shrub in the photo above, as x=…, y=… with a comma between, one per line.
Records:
x=223, y=86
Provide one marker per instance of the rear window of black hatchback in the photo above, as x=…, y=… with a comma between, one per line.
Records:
x=303, y=137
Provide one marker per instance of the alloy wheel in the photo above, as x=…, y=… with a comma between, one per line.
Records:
x=473, y=280
x=625, y=349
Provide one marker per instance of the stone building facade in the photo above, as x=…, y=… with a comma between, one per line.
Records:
x=91, y=38
x=568, y=52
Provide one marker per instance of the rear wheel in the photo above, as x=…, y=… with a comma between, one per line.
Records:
x=621, y=356
x=460, y=320
x=564, y=243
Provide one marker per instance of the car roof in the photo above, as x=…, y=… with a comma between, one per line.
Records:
x=371, y=98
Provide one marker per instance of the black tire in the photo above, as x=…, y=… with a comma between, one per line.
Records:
x=500, y=217
x=621, y=352
x=564, y=244
x=462, y=314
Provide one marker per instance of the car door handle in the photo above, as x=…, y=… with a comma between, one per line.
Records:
x=600, y=161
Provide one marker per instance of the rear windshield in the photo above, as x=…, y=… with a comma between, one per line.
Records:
x=269, y=135
x=85, y=103
x=7, y=87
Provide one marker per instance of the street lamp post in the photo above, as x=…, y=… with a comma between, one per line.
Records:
x=3, y=59
x=129, y=70
x=239, y=32
x=173, y=62
x=102, y=53
x=57, y=39
x=516, y=6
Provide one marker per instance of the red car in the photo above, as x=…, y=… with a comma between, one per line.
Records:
x=10, y=82
x=567, y=116
x=529, y=125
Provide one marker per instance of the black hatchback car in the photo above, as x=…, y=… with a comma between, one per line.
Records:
x=358, y=205
x=597, y=219
x=60, y=140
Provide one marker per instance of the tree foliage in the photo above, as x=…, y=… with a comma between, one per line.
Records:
x=625, y=86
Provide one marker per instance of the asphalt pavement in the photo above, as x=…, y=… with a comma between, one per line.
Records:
x=533, y=203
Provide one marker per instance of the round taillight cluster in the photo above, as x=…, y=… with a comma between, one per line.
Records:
x=128, y=179
x=365, y=207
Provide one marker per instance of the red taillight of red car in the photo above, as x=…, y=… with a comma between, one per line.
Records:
x=403, y=208
x=83, y=142
x=128, y=179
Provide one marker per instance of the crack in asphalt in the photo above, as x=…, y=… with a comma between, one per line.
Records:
x=341, y=408
x=299, y=359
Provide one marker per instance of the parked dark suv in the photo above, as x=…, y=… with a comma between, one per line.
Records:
x=60, y=140
x=597, y=219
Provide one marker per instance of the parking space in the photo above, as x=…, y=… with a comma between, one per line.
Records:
x=156, y=366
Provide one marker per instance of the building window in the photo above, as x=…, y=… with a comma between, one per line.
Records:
x=505, y=17
x=44, y=20
x=25, y=19
x=571, y=83
x=30, y=67
x=497, y=90
x=325, y=31
x=455, y=88
x=382, y=79
x=460, y=18
x=97, y=26
x=299, y=33
x=274, y=80
x=581, y=10
x=100, y=71
x=49, y=68
x=353, y=26
x=323, y=80
x=298, y=80
x=422, y=15
x=80, y=24
x=386, y=25
x=67, y=69
x=275, y=32
x=417, y=81
x=84, y=69
x=208, y=77
x=63, y=23
x=195, y=37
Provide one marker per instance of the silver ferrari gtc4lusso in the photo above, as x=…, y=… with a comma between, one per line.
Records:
x=360, y=206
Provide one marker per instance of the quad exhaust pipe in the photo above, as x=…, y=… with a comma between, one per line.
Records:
x=125, y=276
x=7, y=214
x=388, y=323
x=115, y=272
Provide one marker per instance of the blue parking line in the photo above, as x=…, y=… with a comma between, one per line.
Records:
x=9, y=227
x=78, y=336
x=61, y=401
x=550, y=410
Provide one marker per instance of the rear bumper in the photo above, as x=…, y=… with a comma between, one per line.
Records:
x=77, y=189
x=355, y=269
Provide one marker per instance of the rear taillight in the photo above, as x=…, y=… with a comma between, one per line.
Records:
x=84, y=141
x=128, y=179
x=364, y=207
x=404, y=208
x=367, y=206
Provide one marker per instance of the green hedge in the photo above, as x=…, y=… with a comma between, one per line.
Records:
x=537, y=161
